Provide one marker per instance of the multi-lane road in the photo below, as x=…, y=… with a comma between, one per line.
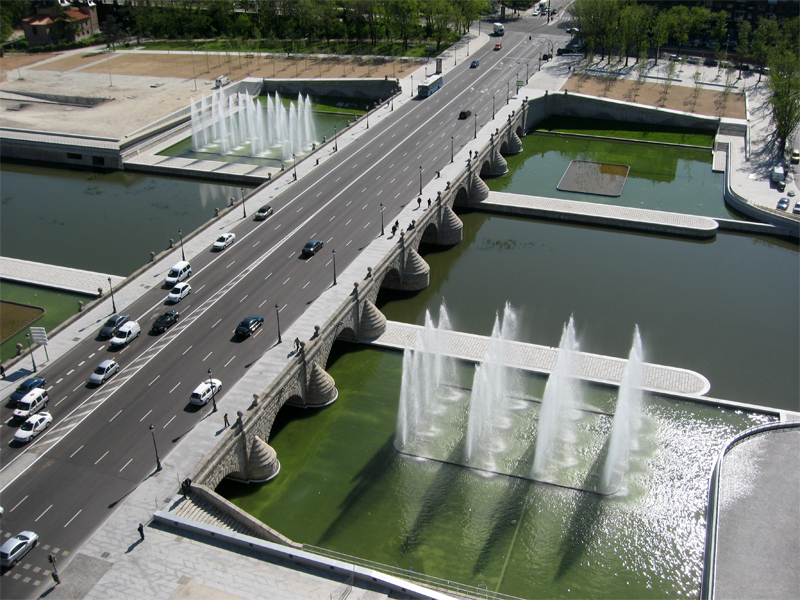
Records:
x=65, y=483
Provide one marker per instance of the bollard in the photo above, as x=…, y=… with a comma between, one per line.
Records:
x=316, y=332
x=171, y=243
x=99, y=292
x=369, y=272
x=80, y=306
x=216, y=212
x=152, y=256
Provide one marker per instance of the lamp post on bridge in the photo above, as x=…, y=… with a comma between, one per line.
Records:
x=334, y=267
x=30, y=350
x=111, y=288
x=476, y=127
x=382, y=231
x=278, y=318
x=492, y=107
x=335, y=140
x=451, y=150
x=213, y=392
x=180, y=235
x=244, y=210
x=420, y=180
x=155, y=447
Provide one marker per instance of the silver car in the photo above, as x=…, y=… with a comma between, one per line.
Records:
x=16, y=547
x=103, y=371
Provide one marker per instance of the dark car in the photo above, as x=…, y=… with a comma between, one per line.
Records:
x=165, y=321
x=113, y=324
x=312, y=247
x=249, y=325
x=783, y=204
x=710, y=62
x=263, y=212
x=26, y=386
x=465, y=114
x=473, y=64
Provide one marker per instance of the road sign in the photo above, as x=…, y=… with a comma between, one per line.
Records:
x=39, y=335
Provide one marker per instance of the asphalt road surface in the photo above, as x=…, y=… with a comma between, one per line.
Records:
x=65, y=483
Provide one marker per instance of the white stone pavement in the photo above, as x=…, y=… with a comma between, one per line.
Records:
x=542, y=359
x=54, y=276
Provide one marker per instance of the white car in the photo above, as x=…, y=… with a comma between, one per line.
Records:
x=179, y=292
x=103, y=371
x=33, y=427
x=16, y=547
x=223, y=241
x=203, y=392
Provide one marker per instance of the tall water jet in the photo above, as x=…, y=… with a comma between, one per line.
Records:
x=562, y=388
x=626, y=418
x=492, y=385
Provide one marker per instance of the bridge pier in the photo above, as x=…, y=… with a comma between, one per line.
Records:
x=262, y=462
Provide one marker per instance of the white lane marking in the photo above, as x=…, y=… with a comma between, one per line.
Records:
x=76, y=451
x=185, y=351
x=70, y=372
x=320, y=194
x=393, y=180
x=80, y=364
x=229, y=362
x=115, y=416
x=287, y=280
x=168, y=422
x=154, y=380
x=299, y=209
x=102, y=457
x=77, y=388
x=329, y=241
x=79, y=512
x=366, y=205
x=332, y=218
x=337, y=179
x=348, y=223
x=173, y=389
x=278, y=227
x=145, y=415
x=215, y=324
x=41, y=515
x=257, y=243
x=348, y=243
x=230, y=265
x=91, y=355
x=262, y=304
x=101, y=348
x=306, y=285
x=268, y=276
x=243, y=299
x=59, y=381
x=60, y=401
x=130, y=460
x=349, y=203
x=200, y=288
x=367, y=225
x=327, y=263
x=207, y=355
x=21, y=501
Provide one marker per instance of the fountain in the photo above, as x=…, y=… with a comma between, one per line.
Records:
x=239, y=124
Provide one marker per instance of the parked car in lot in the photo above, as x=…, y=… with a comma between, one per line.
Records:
x=312, y=247
x=179, y=292
x=498, y=46
x=165, y=321
x=33, y=427
x=16, y=547
x=26, y=386
x=104, y=371
x=126, y=334
x=204, y=392
x=693, y=60
x=113, y=324
x=710, y=62
x=474, y=64
x=223, y=241
x=249, y=326
x=465, y=114
x=263, y=212
x=31, y=403
x=783, y=204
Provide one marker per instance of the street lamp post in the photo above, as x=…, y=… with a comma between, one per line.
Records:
x=334, y=267
x=493, y=107
x=382, y=233
x=213, y=393
x=180, y=235
x=412, y=86
x=158, y=460
x=244, y=210
x=508, y=89
x=476, y=126
x=294, y=158
x=451, y=150
x=278, y=317
x=28, y=337
x=111, y=287
x=420, y=180
x=194, y=77
x=335, y=140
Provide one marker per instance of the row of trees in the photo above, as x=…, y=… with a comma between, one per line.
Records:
x=294, y=20
x=628, y=28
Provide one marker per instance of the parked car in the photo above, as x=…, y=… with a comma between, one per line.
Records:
x=165, y=321
x=179, y=292
x=263, y=212
x=783, y=204
x=31, y=403
x=104, y=371
x=249, y=325
x=26, y=386
x=795, y=156
x=498, y=46
x=474, y=64
x=796, y=209
x=312, y=247
x=33, y=427
x=182, y=270
x=126, y=334
x=465, y=114
x=221, y=81
x=223, y=241
x=16, y=547
x=203, y=392
x=674, y=58
x=113, y=324
x=573, y=30
x=710, y=62
x=693, y=60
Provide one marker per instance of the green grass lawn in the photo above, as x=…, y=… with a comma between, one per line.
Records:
x=628, y=131
x=58, y=306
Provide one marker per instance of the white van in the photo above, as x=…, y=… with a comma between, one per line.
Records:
x=31, y=403
x=125, y=334
x=222, y=81
x=182, y=270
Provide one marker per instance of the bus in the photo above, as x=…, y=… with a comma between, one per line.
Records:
x=430, y=85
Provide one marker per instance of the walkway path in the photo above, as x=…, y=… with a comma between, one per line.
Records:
x=599, y=214
x=542, y=359
x=54, y=276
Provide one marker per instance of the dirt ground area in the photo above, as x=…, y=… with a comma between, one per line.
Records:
x=12, y=61
x=683, y=98
x=14, y=317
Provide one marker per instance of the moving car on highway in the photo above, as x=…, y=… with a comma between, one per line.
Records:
x=249, y=326
x=205, y=391
x=165, y=321
x=26, y=386
x=31, y=403
x=113, y=324
x=223, y=241
x=179, y=292
x=16, y=547
x=33, y=427
x=312, y=247
x=103, y=371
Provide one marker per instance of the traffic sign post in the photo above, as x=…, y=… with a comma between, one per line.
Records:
x=39, y=335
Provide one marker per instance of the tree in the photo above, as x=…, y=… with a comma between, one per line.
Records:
x=719, y=27
x=64, y=27
x=404, y=16
x=111, y=30
x=661, y=29
x=784, y=85
x=680, y=24
x=763, y=42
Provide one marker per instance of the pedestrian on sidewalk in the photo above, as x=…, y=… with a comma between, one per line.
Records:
x=225, y=420
x=2, y=371
x=419, y=202
x=141, y=531
x=429, y=202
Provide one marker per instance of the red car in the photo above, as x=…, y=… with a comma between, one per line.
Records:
x=498, y=46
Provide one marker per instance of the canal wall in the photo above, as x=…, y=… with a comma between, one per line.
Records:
x=366, y=89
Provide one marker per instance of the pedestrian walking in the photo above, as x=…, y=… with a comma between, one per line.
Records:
x=296, y=344
x=429, y=202
x=141, y=531
x=225, y=420
x=2, y=371
x=419, y=202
